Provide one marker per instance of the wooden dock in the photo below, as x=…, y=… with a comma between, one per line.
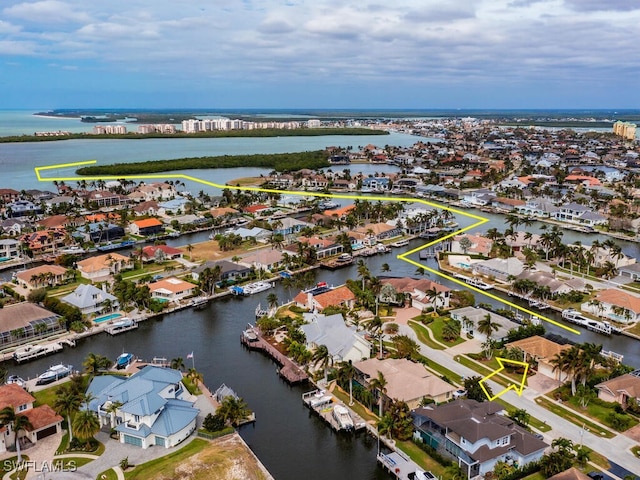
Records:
x=253, y=340
x=322, y=402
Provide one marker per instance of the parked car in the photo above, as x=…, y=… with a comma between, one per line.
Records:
x=459, y=393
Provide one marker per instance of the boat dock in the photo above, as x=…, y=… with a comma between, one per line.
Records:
x=31, y=352
x=402, y=467
x=253, y=340
x=121, y=327
x=322, y=402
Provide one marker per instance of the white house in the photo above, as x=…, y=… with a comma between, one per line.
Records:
x=343, y=342
x=171, y=289
x=90, y=299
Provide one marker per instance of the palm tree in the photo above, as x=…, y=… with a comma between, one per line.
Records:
x=67, y=402
x=86, y=425
x=347, y=372
x=363, y=272
x=94, y=363
x=380, y=384
x=177, y=363
x=19, y=422
x=322, y=358
x=233, y=410
x=272, y=300
x=487, y=326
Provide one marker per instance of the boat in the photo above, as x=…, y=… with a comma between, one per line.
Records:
x=174, y=234
x=540, y=305
x=56, y=372
x=29, y=352
x=573, y=316
x=476, y=282
x=198, y=303
x=73, y=250
x=328, y=205
x=341, y=415
x=122, y=325
x=400, y=243
x=256, y=287
x=344, y=257
x=116, y=246
x=124, y=360
x=318, y=398
x=17, y=380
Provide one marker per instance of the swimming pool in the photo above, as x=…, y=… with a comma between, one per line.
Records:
x=106, y=318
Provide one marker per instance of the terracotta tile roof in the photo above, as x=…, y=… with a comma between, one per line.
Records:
x=627, y=383
x=408, y=284
x=613, y=296
x=54, y=269
x=147, y=222
x=572, y=474
x=150, y=250
x=94, y=264
x=255, y=208
x=172, y=284
x=539, y=347
x=337, y=296
x=222, y=211
x=339, y=212
x=42, y=416
x=14, y=395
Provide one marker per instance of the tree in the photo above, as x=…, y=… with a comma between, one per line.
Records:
x=67, y=402
x=94, y=363
x=465, y=244
x=177, y=363
x=450, y=330
x=346, y=373
x=233, y=410
x=487, y=326
x=18, y=422
x=405, y=346
x=396, y=422
x=475, y=391
x=322, y=358
x=272, y=300
x=86, y=425
x=520, y=416
x=213, y=423
x=379, y=384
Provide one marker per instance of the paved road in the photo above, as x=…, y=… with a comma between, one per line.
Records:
x=615, y=449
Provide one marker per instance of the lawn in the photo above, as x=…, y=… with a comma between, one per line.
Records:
x=108, y=475
x=423, y=335
x=192, y=387
x=482, y=370
x=71, y=463
x=598, y=411
x=421, y=457
x=533, y=421
x=155, y=468
x=46, y=396
x=569, y=415
x=436, y=327
x=357, y=407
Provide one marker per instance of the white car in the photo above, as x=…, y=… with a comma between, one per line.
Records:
x=459, y=393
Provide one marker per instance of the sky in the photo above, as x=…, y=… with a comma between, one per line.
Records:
x=320, y=54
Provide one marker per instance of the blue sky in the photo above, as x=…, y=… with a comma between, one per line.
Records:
x=320, y=54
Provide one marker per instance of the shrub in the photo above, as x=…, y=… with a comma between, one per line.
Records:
x=213, y=423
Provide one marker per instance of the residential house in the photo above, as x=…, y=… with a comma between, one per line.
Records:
x=173, y=206
x=61, y=201
x=506, y=204
x=44, y=421
x=260, y=234
x=542, y=351
x=320, y=298
x=267, y=260
x=105, y=198
x=521, y=240
x=9, y=249
x=22, y=208
x=343, y=342
x=375, y=232
x=149, y=408
x=324, y=247
x=22, y=322
x=631, y=271
x=479, y=198
x=289, y=226
x=538, y=207
x=146, y=227
x=476, y=435
x=571, y=474
x=60, y=222
x=420, y=291
x=171, y=289
x=13, y=226
x=577, y=213
x=90, y=299
x=226, y=213
x=156, y=191
x=376, y=184
x=43, y=276
x=101, y=232
x=469, y=317
x=621, y=389
x=256, y=210
x=8, y=195
x=615, y=304
x=407, y=381
x=478, y=244
x=101, y=267
x=313, y=181
x=548, y=279
x=160, y=253
x=229, y=271
x=148, y=207
x=340, y=212
x=43, y=241
x=499, y=268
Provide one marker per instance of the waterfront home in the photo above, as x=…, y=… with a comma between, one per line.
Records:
x=153, y=191
x=499, y=268
x=542, y=351
x=344, y=342
x=100, y=267
x=43, y=419
x=9, y=249
x=478, y=244
x=172, y=207
x=90, y=299
x=146, y=227
x=631, y=271
x=266, y=260
x=479, y=198
x=614, y=304
x=538, y=207
x=313, y=181
x=256, y=210
x=61, y=221
x=160, y=253
x=340, y=212
x=469, y=317
x=61, y=201
x=225, y=212
x=621, y=389
x=376, y=184
x=375, y=232
x=520, y=240
x=260, y=234
x=324, y=247
x=476, y=435
x=289, y=226
x=149, y=207
x=335, y=297
x=22, y=322
x=423, y=293
x=171, y=289
x=149, y=408
x=407, y=381
x=8, y=195
x=548, y=279
x=581, y=214
x=602, y=255
x=43, y=241
x=229, y=271
x=101, y=232
x=43, y=276
x=104, y=198
x=505, y=204
x=22, y=208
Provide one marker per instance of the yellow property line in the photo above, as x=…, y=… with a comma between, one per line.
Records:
x=403, y=256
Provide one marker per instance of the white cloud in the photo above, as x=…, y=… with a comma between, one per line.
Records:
x=47, y=12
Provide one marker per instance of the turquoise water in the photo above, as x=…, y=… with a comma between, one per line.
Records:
x=106, y=318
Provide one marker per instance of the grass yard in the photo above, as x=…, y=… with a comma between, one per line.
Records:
x=571, y=416
x=108, y=475
x=224, y=457
x=192, y=387
x=210, y=250
x=357, y=407
x=421, y=457
x=436, y=327
x=46, y=396
x=423, y=335
x=533, y=421
x=598, y=411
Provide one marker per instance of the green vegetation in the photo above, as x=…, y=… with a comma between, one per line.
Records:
x=423, y=336
x=46, y=396
x=437, y=327
x=160, y=466
x=276, y=161
x=421, y=457
x=574, y=418
x=108, y=475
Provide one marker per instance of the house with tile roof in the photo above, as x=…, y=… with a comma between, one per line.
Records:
x=615, y=304
x=542, y=351
x=408, y=381
x=621, y=389
x=90, y=299
x=229, y=271
x=416, y=289
x=43, y=276
x=265, y=259
x=154, y=407
x=103, y=266
x=572, y=474
x=43, y=419
x=160, y=253
x=171, y=289
x=476, y=435
x=479, y=244
x=148, y=226
x=333, y=297
x=343, y=342
x=469, y=317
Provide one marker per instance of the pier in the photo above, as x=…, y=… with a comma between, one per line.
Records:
x=121, y=326
x=402, y=467
x=253, y=340
x=322, y=402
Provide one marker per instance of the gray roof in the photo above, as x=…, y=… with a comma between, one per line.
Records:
x=330, y=331
x=88, y=296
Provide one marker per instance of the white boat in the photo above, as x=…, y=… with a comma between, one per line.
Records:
x=124, y=360
x=56, y=372
x=341, y=414
x=319, y=398
x=476, y=282
x=344, y=257
x=29, y=352
x=73, y=250
x=573, y=316
x=400, y=243
x=122, y=325
x=256, y=287
x=17, y=380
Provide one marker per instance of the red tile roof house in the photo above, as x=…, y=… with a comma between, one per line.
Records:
x=43, y=419
x=161, y=253
x=43, y=276
x=148, y=226
x=338, y=297
x=171, y=289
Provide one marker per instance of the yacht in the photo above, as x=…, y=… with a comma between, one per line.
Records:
x=17, y=380
x=256, y=287
x=124, y=360
x=573, y=316
x=400, y=243
x=56, y=372
x=341, y=415
x=73, y=250
x=476, y=282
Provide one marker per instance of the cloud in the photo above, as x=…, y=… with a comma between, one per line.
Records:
x=603, y=5
x=47, y=11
